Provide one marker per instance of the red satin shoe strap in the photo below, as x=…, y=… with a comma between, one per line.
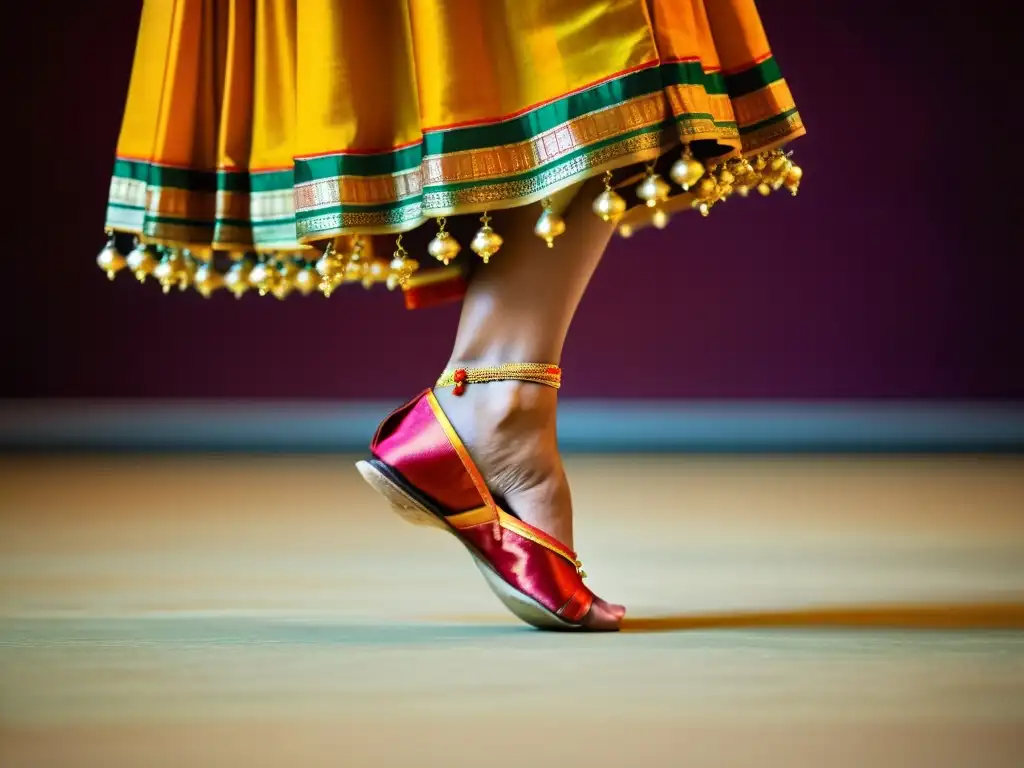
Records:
x=468, y=464
x=413, y=441
x=474, y=517
x=578, y=605
x=532, y=568
x=420, y=443
x=501, y=518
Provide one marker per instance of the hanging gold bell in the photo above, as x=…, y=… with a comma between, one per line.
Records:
x=354, y=270
x=284, y=283
x=746, y=178
x=687, y=170
x=777, y=167
x=793, y=179
x=173, y=270
x=329, y=284
x=331, y=268
x=261, y=277
x=701, y=205
x=110, y=260
x=486, y=242
x=401, y=267
x=237, y=278
x=375, y=271
x=725, y=179
x=443, y=247
x=625, y=231
x=550, y=225
x=653, y=189
x=164, y=270
x=187, y=270
x=764, y=189
x=609, y=205
x=207, y=280
x=141, y=261
x=707, y=189
x=306, y=280
x=660, y=219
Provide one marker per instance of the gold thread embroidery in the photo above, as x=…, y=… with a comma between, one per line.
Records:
x=763, y=104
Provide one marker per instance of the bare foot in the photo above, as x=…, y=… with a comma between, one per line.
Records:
x=509, y=429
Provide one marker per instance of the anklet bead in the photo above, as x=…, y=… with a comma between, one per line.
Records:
x=537, y=373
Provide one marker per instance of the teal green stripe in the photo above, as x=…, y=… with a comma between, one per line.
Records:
x=161, y=176
x=770, y=121
x=692, y=73
x=259, y=181
x=303, y=215
x=131, y=169
x=753, y=79
x=219, y=222
x=126, y=207
x=512, y=131
x=334, y=166
x=203, y=181
x=704, y=116
x=518, y=129
x=355, y=208
x=544, y=118
x=205, y=223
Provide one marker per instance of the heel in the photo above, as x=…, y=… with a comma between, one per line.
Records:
x=404, y=505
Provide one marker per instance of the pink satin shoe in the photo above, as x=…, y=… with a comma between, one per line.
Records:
x=422, y=468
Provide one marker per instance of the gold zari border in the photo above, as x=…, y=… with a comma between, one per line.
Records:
x=565, y=153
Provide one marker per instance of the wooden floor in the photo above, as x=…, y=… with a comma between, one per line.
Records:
x=271, y=612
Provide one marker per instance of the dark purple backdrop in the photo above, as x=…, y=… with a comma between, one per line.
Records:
x=893, y=274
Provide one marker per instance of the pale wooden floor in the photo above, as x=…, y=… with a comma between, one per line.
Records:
x=270, y=611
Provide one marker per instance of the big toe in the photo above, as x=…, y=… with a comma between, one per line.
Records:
x=604, y=616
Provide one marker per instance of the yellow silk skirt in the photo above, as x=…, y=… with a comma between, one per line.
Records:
x=290, y=135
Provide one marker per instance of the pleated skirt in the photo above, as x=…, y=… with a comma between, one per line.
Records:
x=282, y=145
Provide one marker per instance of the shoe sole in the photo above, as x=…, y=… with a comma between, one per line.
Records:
x=418, y=512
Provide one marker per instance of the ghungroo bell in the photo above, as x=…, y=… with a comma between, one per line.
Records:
x=443, y=247
x=486, y=242
x=550, y=225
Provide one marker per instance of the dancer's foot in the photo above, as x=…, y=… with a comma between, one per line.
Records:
x=509, y=430
x=488, y=471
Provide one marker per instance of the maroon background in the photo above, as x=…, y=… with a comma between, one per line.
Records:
x=895, y=273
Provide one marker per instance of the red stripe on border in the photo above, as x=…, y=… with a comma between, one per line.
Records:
x=759, y=60
x=339, y=152
x=228, y=169
x=273, y=169
x=691, y=60
x=524, y=110
x=151, y=161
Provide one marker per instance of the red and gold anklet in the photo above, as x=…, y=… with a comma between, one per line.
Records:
x=538, y=373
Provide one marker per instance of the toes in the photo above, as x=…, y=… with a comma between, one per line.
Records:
x=603, y=616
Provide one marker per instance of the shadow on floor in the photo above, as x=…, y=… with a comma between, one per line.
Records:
x=949, y=616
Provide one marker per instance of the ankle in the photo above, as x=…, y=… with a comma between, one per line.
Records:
x=495, y=354
x=506, y=406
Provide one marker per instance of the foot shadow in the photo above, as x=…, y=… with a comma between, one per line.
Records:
x=939, y=616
